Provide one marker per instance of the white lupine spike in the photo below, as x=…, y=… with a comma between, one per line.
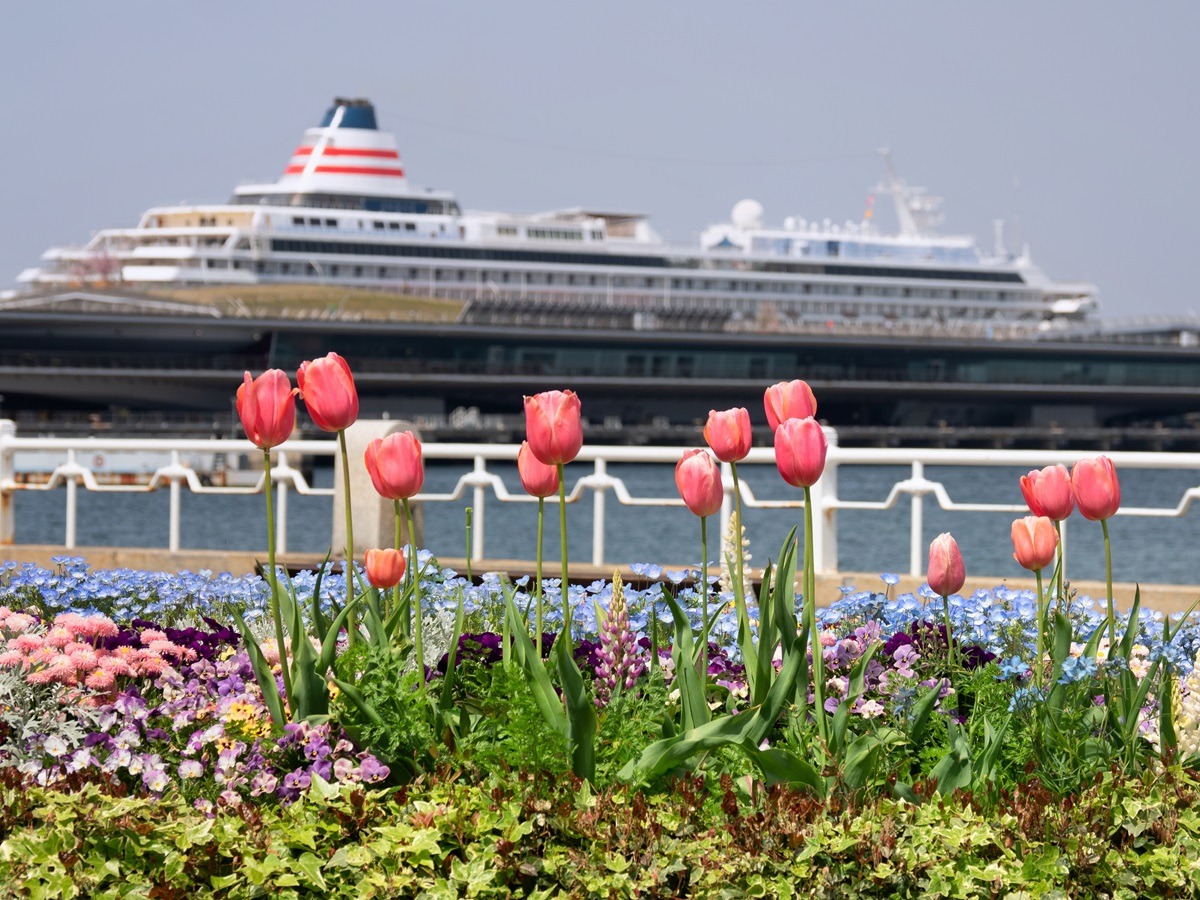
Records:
x=730, y=546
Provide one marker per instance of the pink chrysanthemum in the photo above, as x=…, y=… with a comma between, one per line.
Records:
x=13, y=658
x=15, y=622
x=59, y=636
x=115, y=665
x=27, y=643
x=150, y=635
x=100, y=680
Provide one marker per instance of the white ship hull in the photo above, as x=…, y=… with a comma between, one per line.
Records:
x=343, y=214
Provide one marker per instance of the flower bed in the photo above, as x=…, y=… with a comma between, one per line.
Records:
x=408, y=728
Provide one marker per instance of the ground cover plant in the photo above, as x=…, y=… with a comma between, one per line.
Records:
x=397, y=728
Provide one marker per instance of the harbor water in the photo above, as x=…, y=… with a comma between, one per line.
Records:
x=1147, y=550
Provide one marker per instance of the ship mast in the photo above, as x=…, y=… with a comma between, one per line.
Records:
x=916, y=210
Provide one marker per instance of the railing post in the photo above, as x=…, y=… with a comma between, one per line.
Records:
x=823, y=494
x=72, y=504
x=477, y=515
x=726, y=508
x=917, y=525
x=598, y=514
x=173, y=523
x=281, y=503
x=8, y=476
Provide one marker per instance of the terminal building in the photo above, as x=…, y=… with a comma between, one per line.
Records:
x=116, y=360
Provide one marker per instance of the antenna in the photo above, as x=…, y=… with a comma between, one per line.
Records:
x=916, y=210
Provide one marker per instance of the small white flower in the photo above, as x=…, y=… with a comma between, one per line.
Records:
x=55, y=746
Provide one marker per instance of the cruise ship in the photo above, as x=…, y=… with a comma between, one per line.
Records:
x=343, y=213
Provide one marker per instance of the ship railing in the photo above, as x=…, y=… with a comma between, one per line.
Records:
x=480, y=483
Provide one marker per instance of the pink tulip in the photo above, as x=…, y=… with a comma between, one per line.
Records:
x=1097, y=491
x=800, y=449
x=327, y=388
x=728, y=434
x=1048, y=492
x=267, y=408
x=538, y=479
x=395, y=465
x=698, y=478
x=1035, y=542
x=385, y=567
x=946, y=574
x=553, y=426
x=789, y=400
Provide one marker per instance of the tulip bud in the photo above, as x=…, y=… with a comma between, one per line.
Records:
x=1048, y=492
x=698, y=478
x=327, y=388
x=267, y=408
x=800, y=449
x=385, y=567
x=946, y=574
x=728, y=434
x=1097, y=491
x=789, y=400
x=538, y=479
x=1035, y=542
x=395, y=465
x=553, y=426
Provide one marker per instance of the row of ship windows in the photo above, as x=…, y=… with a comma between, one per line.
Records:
x=317, y=222
x=335, y=270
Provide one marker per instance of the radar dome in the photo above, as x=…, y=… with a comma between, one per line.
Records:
x=747, y=214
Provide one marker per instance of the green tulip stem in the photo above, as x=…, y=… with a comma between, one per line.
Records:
x=1041, y=619
x=349, y=521
x=704, y=602
x=470, y=541
x=1112, y=617
x=562, y=534
x=1062, y=567
x=418, y=643
x=739, y=592
x=273, y=581
x=810, y=618
x=348, y=566
x=397, y=540
x=949, y=634
x=537, y=584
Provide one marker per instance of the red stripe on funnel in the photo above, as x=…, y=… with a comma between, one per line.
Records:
x=346, y=170
x=349, y=151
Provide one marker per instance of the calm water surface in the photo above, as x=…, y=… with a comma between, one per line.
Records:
x=1147, y=550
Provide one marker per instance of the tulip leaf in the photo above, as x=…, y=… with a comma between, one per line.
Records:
x=355, y=696
x=1131, y=629
x=262, y=674
x=329, y=645
x=536, y=675
x=1167, y=737
x=692, y=697
x=953, y=772
x=920, y=714
x=581, y=713
x=779, y=766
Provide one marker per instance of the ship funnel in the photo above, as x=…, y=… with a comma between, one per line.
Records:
x=346, y=154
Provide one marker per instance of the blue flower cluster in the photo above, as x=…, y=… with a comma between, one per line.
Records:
x=124, y=594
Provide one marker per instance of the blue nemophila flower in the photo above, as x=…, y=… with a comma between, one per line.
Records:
x=1077, y=668
x=649, y=571
x=1013, y=667
x=1024, y=698
x=890, y=578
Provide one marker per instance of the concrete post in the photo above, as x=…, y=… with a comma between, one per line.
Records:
x=824, y=494
x=8, y=431
x=373, y=520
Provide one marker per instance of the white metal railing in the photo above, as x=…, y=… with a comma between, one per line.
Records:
x=176, y=473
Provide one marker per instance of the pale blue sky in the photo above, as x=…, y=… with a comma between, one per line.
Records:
x=1076, y=120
